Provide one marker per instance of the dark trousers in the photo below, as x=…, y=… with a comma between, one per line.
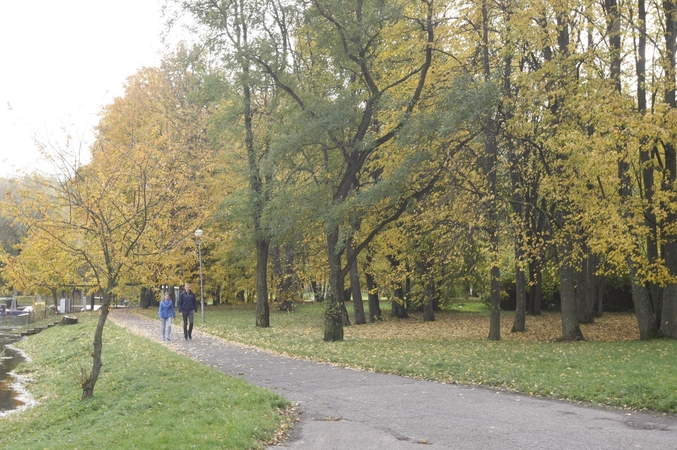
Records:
x=188, y=316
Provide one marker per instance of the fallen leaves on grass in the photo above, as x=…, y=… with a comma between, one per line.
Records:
x=612, y=327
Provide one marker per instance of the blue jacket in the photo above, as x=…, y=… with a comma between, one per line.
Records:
x=166, y=309
x=187, y=301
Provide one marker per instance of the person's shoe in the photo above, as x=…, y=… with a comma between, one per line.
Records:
x=169, y=339
x=190, y=336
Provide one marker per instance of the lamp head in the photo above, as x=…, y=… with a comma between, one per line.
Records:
x=198, y=233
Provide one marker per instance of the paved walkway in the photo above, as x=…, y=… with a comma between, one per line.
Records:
x=352, y=410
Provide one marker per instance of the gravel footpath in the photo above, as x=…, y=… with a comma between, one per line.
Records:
x=353, y=410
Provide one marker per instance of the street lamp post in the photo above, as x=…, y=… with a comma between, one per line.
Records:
x=198, y=236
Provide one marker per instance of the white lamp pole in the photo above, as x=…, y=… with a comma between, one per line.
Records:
x=198, y=236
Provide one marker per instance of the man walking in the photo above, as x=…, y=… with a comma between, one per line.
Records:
x=188, y=308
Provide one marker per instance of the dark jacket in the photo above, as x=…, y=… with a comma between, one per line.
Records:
x=187, y=301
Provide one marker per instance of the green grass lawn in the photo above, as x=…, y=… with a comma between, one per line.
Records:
x=147, y=397
x=611, y=368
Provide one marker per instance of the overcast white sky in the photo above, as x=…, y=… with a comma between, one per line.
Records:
x=62, y=61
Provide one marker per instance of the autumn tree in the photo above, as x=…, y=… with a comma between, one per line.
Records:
x=135, y=200
x=41, y=266
x=540, y=92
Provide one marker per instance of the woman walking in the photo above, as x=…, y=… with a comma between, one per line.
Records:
x=166, y=312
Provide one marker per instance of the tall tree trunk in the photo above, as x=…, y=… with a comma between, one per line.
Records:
x=538, y=222
x=216, y=295
x=277, y=279
x=429, y=306
x=644, y=311
x=640, y=297
x=283, y=273
x=646, y=320
x=571, y=331
x=490, y=168
x=592, y=287
x=669, y=312
x=492, y=230
x=398, y=310
x=567, y=275
x=333, y=314
x=397, y=304
x=318, y=291
x=147, y=297
x=276, y=264
x=495, y=314
x=423, y=271
x=289, y=281
x=536, y=287
x=599, y=303
x=374, y=304
x=355, y=288
x=345, y=317
x=257, y=201
x=585, y=290
x=655, y=289
x=647, y=164
x=262, y=308
x=518, y=201
x=520, y=323
x=407, y=290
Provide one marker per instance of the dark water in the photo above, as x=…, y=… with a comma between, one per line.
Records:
x=11, y=396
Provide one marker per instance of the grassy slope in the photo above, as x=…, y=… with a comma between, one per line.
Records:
x=147, y=397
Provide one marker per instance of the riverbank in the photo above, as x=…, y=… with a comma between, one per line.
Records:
x=147, y=397
x=14, y=396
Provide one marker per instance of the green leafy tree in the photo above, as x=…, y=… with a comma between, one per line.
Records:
x=232, y=29
x=345, y=85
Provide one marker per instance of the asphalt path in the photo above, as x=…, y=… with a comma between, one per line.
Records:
x=348, y=409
